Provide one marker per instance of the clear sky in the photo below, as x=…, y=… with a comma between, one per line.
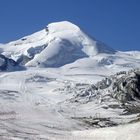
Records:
x=114, y=22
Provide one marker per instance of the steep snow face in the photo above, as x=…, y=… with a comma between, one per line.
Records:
x=58, y=44
x=56, y=54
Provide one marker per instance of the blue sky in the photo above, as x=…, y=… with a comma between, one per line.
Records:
x=115, y=22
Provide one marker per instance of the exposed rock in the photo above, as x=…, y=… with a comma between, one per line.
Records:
x=105, y=83
x=6, y=63
x=127, y=87
x=96, y=122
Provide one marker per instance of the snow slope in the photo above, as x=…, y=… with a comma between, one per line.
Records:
x=39, y=103
x=126, y=132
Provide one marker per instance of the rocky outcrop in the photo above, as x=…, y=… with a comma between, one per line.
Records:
x=123, y=86
x=7, y=64
x=127, y=87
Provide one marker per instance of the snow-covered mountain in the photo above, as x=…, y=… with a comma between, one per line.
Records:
x=60, y=43
x=71, y=83
x=64, y=43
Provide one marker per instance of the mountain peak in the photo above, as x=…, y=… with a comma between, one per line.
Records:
x=62, y=26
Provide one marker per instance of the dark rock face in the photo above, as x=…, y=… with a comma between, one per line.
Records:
x=23, y=60
x=6, y=63
x=3, y=62
x=127, y=87
x=105, y=83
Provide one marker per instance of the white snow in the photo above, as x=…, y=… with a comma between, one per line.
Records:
x=126, y=132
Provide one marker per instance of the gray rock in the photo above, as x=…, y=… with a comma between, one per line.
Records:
x=6, y=63
x=127, y=87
